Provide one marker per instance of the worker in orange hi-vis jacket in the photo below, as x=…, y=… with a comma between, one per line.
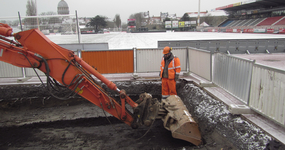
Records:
x=169, y=72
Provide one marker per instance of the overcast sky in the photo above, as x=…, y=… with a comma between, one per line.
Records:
x=109, y=8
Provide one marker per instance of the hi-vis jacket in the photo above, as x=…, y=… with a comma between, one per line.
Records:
x=173, y=67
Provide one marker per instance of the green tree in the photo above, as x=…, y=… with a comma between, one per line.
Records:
x=31, y=11
x=185, y=17
x=97, y=23
x=117, y=20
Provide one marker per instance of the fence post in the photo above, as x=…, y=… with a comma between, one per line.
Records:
x=250, y=81
x=187, y=73
x=135, y=75
x=211, y=66
x=79, y=53
x=20, y=21
x=77, y=27
x=23, y=69
x=24, y=72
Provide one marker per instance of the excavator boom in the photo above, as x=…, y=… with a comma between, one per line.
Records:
x=37, y=51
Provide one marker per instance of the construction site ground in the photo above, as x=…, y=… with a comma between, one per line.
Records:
x=31, y=119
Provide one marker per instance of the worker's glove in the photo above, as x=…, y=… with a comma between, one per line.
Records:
x=176, y=77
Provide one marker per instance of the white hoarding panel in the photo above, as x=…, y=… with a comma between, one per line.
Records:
x=167, y=24
x=174, y=24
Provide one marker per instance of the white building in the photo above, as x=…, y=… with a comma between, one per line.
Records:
x=62, y=8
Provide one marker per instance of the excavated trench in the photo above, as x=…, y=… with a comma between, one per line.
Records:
x=32, y=119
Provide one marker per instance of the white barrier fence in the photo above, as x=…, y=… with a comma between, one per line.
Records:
x=267, y=94
x=200, y=62
x=8, y=70
x=148, y=60
x=258, y=86
x=233, y=74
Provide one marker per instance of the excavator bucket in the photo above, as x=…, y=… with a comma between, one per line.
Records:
x=177, y=119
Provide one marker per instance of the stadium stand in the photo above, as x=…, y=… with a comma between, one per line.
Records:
x=248, y=22
x=280, y=22
x=227, y=23
x=256, y=21
x=269, y=21
x=261, y=16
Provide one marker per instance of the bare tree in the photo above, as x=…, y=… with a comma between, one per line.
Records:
x=117, y=20
x=31, y=8
x=31, y=11
x=139, y=18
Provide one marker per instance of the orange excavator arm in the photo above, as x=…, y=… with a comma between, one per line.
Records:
x=35, y=50
x=66, y=70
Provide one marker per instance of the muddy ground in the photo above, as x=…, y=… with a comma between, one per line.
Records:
x=32, y=119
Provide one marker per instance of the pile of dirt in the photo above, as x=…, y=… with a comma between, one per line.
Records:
x=213, y=117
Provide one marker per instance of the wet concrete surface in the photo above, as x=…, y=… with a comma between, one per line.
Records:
x=32, y=119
